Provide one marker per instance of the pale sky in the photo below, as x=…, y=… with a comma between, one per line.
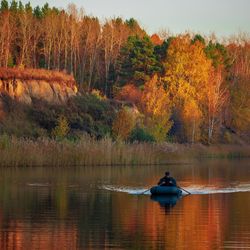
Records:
x=224, y=17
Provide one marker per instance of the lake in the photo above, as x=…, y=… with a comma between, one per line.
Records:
x=104, y=208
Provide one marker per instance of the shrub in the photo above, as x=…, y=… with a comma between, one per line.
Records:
x=44, y=115
x=95, y=116
x=123, y=124
x=16, y=120
x=62, y=128
x=81, y=122
x=4, y=141
x=140, y=135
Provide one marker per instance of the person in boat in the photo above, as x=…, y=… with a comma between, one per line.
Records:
x=167, y=180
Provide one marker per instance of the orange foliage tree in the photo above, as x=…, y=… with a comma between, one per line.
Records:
x=156, y=40
x=129, y=93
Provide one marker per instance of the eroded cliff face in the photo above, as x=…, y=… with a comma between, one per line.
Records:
x=25, y=90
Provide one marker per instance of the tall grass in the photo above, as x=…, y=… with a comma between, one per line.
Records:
x=89, y=152
x=200, y=151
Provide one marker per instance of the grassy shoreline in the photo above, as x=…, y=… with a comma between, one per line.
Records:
x=89, y=152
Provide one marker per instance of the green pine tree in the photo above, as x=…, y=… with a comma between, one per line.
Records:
x=138, y=61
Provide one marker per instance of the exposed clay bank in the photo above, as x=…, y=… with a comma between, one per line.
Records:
x=25, y=84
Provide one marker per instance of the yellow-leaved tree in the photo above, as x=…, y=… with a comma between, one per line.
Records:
x=123, y=124
x=187, y=71
x=62, y=128
x=156, y=107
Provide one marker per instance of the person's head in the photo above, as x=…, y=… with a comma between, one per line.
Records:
x=167, y=173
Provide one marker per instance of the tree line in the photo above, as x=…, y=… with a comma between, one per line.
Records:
x=186, y=88
x=69, y=40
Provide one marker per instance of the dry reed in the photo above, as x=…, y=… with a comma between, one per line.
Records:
x=89, y=152
x=86, y=152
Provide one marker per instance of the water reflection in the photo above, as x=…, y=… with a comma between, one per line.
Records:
x=45, y=208
x=166, y=201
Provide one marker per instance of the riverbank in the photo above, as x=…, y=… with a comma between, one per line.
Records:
x=90, y=152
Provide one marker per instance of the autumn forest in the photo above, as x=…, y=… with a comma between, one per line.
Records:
x=132, y=86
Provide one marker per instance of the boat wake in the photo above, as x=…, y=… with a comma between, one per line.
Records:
x=195, y=189
x=47, y=184
x=38, y=184
x=218, y=190
x=129, y=190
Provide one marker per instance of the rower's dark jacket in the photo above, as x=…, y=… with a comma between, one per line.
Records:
x=167, y=181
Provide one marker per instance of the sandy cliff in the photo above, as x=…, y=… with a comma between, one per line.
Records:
x=54, y=87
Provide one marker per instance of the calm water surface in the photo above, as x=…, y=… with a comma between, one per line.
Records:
x=103, y=208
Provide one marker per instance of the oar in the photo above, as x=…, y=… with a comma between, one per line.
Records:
x=145, y=191
x=184, y=190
